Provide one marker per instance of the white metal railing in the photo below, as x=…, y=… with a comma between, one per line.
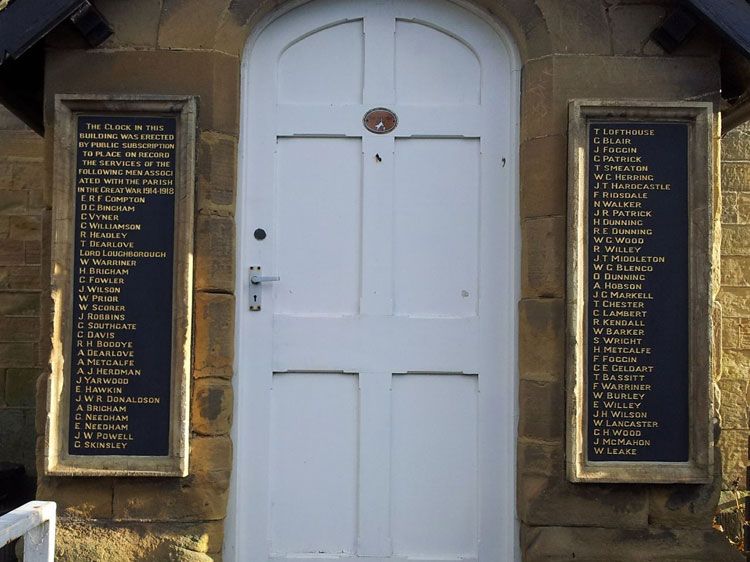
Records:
x=35, y=522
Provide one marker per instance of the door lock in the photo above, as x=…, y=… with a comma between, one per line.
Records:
x=256, y=281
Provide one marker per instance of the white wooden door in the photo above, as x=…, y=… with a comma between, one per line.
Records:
x=376, y=394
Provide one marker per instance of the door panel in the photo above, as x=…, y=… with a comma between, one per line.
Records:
x=376, y=384
x=434, y=466
x=424, y=79
x=436, y=209
x=316, y=69
x=318, y=193
x=314, y=419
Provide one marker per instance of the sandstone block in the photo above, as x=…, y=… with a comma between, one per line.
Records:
x=12, y=422
x=210, y=533
x=40, y=419
x=654, y=544
x=6, y=170
x=538, y=103
x=217, y=173
x=211, y=75
x=21, y=277
x=212, y=457
x=214, y=334
x=40, y=201
x=28, y=175
x=12, y=252
x=631, y=26
x=552, y=500
x=735, y=176
x=194, y=498
x=729, y=211
x=135, y=23
x=552, y=81
x=735, y=145
x=735, y=301
x=17, y=354
x=190, y=24
x=541, y=409
x=212, y=406
x=18, y=441
x=730, y=332
x=21, y=144
x=735, y=271
x=543, y=257
x=577, y=27
x=735, y=364
x=19, y=304
x=733, y=444
x=538, y=42
x=231, y=33
x=544, y=176
x=24, y=328
x=526, y=14
x=735, y=240
x=733, y=413
x=541, y=342
x=85, y=497
x=81, y=539
x=20, y=387
x=13, y=202
x=214, y=253
x=242, y=11
x=743, y=207
x=27, y=227
x=33, y=255
x=540, y=458
x=683, y=506
x=201, y=496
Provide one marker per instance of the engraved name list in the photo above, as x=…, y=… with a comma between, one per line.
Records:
x=637, y=292
x=122, y=285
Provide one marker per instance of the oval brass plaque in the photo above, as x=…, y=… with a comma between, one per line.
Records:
x=380, y=120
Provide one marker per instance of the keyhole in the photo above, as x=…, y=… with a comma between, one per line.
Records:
x=378, y=158
x=255, y=298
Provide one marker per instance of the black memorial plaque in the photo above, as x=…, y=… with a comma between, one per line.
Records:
x=123, y=285
x=637, y=299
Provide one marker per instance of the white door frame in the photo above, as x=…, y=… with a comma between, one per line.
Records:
x=242, y=462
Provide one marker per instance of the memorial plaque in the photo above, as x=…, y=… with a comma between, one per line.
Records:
x=122, y=286
x=639, y=318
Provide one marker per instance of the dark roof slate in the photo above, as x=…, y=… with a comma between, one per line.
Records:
x=730, y=17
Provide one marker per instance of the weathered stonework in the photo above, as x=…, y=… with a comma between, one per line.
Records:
x=80, y=539
x=22, y=216
x=571, y=49
x=734, y=379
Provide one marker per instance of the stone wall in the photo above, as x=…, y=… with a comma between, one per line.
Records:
x=23, y=207
x=570, y=49
x=156, y=519
x=597, y=51
x=734, y=380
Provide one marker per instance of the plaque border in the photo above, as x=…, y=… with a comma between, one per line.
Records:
x=57, y=461
x=701, y=289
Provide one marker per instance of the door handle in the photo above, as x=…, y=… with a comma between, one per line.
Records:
x=256, y=279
